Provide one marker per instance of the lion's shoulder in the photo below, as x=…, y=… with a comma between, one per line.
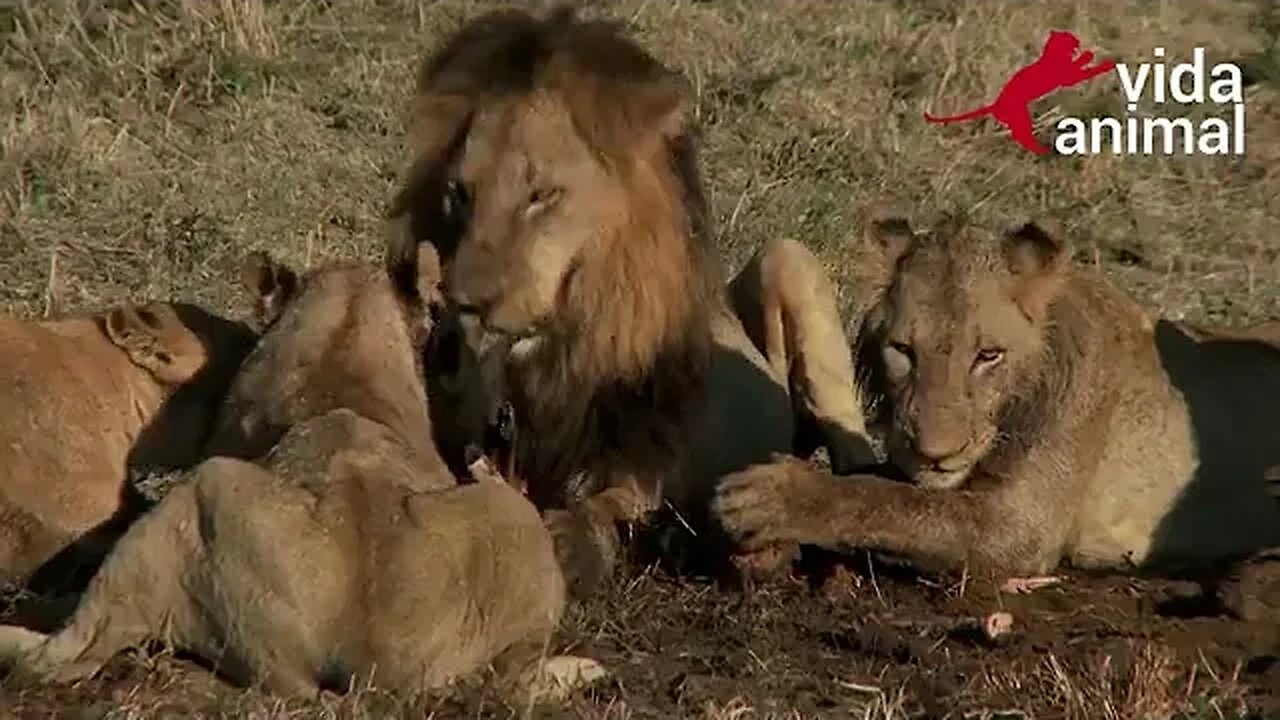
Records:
x=63, y=371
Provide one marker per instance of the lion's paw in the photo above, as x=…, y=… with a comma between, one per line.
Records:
x=19, y=654
x=586, y=553
x=765, y=504
x=25, y=654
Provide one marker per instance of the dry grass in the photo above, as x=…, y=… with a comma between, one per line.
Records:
x=144, y=146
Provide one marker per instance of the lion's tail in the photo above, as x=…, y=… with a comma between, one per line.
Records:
x=30, y=656
x=985, y=109
x=16, y=643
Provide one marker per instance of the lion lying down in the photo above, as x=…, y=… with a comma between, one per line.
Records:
x=86, y=399
x=1041, y=416
x=348, y=553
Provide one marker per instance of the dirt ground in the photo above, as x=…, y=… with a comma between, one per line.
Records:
x=146, y=146
x=863, y=639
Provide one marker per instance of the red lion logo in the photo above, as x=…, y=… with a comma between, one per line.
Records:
x=1060, y=65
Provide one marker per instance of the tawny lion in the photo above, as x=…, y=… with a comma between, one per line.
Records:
x=1042, y=416
x=89, y=399
x=348, y=553
x=556, y=171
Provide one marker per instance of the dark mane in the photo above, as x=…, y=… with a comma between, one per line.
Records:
x=604, y=75
x=606, y=78
x=584, y=411
x=638, y=429
x=1032, y=410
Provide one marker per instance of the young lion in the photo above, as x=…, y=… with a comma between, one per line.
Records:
x=556, y=171
x=1041, y=416
x=348, y=553
x=87, y=399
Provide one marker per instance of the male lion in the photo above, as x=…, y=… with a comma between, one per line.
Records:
x=87, y=399
x=348, y=553
x=1041, y=416
x=556, y=171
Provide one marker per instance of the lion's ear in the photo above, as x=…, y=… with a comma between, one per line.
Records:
x=405, y=219
x=271, y=284
x=421, y=211
x=155, y=339
x=429, y=274
x=892, y=234
x=662, y=106
x=416, y=272
x=1039, y=258
x=670, y=108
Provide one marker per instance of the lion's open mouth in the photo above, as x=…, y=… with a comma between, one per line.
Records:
x=490, y=343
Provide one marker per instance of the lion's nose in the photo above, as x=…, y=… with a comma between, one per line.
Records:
x=470, y=293
x=937, y=449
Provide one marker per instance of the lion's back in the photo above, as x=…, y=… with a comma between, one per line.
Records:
x=63, y=434
x=481, y=565
x=488, y=537
x=1193, y=430
x=55, y=379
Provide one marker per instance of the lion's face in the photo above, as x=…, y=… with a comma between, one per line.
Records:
x=535, y=197
x=959, y=331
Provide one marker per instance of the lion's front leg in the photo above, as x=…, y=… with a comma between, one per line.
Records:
x=587, y=541
x=788, y=501
x=787, y=307
x=783, y=501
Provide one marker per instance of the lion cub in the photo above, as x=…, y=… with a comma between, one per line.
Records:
x=1041, y=415
x=88, y=398
x=347, y=553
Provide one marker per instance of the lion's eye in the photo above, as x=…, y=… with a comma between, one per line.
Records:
x=988, y=356
x=542, y=198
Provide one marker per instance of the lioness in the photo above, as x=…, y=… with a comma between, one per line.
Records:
x=87, y=399
x=1041, y=416
x=556, y=171
x=348, y=553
